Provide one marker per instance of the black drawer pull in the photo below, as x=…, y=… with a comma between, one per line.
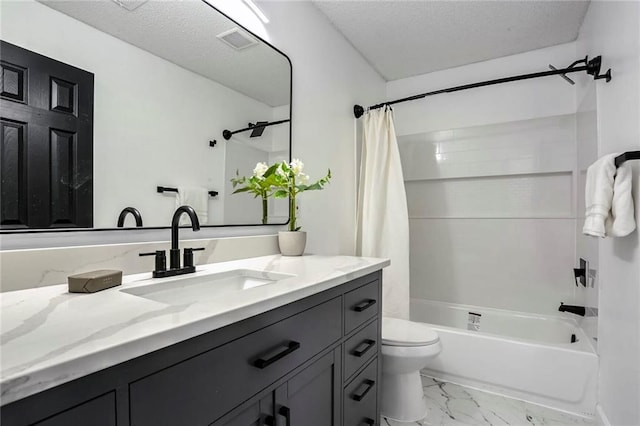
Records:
x=286, y=413
x=360, y=396
x=269, y=421
x=262, y=363
x=370, y=344
x=364, y=305
x=367, y=421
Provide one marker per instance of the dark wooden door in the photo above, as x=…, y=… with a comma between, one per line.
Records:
x=46, y=142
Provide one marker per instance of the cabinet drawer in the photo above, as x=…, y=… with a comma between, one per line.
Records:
x=200, y=390
x=360, y=348
x=360, y=305
x=100, y=411
x=360, y=398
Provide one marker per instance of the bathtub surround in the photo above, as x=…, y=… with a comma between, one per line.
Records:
x=489, y=178
x=482, y=194
x=383, y=224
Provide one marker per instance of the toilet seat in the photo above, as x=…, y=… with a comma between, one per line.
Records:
x=399, y=332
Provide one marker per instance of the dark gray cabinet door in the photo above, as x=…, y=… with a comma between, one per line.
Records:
x=46, y=142
x=312, y=397
x=258, y=414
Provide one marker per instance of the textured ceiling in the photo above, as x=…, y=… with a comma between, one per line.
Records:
x=184, y=32
x=405, y=38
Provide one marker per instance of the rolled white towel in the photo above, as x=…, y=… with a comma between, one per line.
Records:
x=621, y=221
x=608, y=201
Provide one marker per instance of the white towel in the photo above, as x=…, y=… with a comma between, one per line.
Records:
x=196, y=197
x=608, y=201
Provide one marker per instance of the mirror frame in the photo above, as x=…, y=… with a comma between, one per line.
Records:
x=144, y=228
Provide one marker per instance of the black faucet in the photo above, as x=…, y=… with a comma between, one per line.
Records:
x=136, y=214
x=174, y=253
x=578, y=310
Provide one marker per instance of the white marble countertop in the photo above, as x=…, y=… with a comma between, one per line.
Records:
x=49, y=336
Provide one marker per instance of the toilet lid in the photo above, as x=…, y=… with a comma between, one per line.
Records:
x=399, y=332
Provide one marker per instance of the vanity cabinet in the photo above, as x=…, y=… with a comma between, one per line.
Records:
x=312, y=362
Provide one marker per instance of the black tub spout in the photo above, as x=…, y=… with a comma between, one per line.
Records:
x=578, y=310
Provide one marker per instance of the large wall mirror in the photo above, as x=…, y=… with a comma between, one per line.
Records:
x=111, y=104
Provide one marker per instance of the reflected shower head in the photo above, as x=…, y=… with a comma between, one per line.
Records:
x=258, y=128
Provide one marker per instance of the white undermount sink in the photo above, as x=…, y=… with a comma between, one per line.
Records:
x=203, y=288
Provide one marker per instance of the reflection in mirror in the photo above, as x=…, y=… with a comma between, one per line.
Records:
x=134, y=100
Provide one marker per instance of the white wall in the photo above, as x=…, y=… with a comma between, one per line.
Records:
x=329, y=77
x=489, y=178
x=612, y=29
x=152, y=119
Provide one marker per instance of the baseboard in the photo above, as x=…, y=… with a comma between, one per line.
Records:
x=601, y=417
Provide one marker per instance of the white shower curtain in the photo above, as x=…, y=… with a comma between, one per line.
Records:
x=383, y=220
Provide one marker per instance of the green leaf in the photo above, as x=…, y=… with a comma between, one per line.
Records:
x=243, y=189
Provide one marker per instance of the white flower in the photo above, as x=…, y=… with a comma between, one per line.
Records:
x=296, y=167
x=260, y=169
x=280, y=172
x=303, y=178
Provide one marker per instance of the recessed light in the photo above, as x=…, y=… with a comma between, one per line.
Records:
x=237, y=38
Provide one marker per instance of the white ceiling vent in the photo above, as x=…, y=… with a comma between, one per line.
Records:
x=237, y=38
x=130, y=5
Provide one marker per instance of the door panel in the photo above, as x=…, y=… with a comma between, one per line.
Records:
x=13, y=176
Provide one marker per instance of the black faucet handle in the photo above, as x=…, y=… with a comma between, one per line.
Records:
x=188, y=256
x=161, y=259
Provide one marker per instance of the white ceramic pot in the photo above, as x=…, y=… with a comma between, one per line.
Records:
x=292, y=243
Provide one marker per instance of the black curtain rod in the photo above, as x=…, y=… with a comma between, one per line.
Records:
x=162, y=189
x=592, y=67
x=228, y=133
x=629, y=155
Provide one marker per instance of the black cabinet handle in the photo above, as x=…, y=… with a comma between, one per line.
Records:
x=286, y=413
x=360, y=396
x=269, y=421
x=364, y=305
x=367, y=421
x=262, y=363
x=370, y=344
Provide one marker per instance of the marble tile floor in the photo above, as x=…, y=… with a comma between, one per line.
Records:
x=455, y=405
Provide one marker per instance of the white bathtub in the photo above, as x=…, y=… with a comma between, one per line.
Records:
x=520, y=355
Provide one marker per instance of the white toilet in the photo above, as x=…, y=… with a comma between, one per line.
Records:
x=407, y=347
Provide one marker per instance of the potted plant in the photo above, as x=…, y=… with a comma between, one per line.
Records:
x=260, y=184
x=289, y=181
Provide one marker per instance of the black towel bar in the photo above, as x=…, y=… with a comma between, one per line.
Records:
x=629, y=155
x=162, y=189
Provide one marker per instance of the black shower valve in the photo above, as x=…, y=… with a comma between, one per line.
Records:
x=580, y=274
